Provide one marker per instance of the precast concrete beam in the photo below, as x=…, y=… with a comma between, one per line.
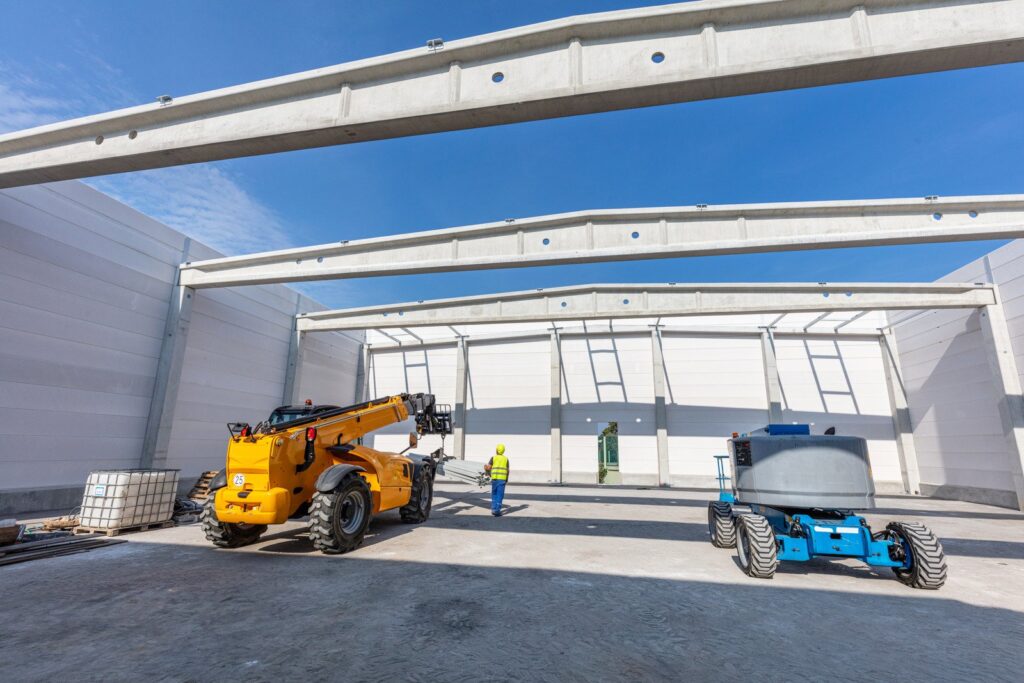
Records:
x=592, y=302
x=632, y=330
x=629, y=234
x=578, y=65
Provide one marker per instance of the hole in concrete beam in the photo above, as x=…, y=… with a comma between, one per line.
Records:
x=497, y=77
x=545, y=241
x=99, y=139
x=972, y=214
x=132, y=134
x=937, y=216
x=658, y=57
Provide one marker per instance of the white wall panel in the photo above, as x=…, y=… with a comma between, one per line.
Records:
x=84, y=289
x=840, y=384
x=509, y=402
x=608, y=378
x=961, y=447
x=399, y=371
x=714, y=386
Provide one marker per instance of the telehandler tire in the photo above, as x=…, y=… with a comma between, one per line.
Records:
x=927, y=561
x=721, y=527
x=420, y=500
x=338, y=518
x=755, y=545
x=224, y=535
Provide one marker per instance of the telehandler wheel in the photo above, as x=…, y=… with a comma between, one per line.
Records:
x=720, y=525
x=755, y=545
x=420, y=499
x=927, y=568
x=224, y=535
x=338, y=518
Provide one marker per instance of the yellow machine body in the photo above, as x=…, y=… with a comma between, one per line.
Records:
x=266, y=480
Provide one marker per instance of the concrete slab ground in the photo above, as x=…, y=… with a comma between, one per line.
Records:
x=574, y=584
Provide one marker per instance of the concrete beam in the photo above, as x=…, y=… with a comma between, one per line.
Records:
x=660, y=409
x=556, y=408
x=164, y=401
x=772, y=382
x=591, y=302
x=1008, y=386
x=903, y=426
x=578, y=65
x=621, y=330
x=629, y=234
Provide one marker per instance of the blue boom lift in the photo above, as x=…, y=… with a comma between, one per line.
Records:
x=792, y=499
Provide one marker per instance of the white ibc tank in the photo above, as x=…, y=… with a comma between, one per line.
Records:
x=117, y=499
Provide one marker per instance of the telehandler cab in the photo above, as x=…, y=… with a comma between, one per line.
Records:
x=310, y=460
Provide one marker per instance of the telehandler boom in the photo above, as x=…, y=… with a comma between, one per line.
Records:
x=310, y=460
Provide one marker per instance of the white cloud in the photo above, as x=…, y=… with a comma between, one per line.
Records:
x=204, y=202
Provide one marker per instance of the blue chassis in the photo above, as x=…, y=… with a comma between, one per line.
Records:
x=848, y=536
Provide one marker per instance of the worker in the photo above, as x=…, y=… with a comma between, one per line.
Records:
x=497, y=467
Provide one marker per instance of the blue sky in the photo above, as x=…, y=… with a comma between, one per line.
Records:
x=952, y=133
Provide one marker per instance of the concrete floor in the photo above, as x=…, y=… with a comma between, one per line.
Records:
x=575, y=584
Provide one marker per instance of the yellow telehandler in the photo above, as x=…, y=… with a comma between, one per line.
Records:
x=310, y=460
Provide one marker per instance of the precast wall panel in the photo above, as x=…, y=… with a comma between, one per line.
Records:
x=85, y=284
x=840, y=383
x=714, y=386
x=608, y=378
x=428, y=370
x=83, y=300
x=508, y=400
x=962, y=448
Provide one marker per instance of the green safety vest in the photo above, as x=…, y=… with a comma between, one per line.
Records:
x=499, y=467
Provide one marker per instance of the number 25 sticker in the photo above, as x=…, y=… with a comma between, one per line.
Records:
x=238, y=479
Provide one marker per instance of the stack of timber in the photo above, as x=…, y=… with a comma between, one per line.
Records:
x=201, y=490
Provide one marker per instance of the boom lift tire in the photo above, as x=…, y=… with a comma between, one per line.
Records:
x=927, y=561
x=720, y=525
x=755, y=545
x=338, y=518
x=422, y=497
x=224, y=535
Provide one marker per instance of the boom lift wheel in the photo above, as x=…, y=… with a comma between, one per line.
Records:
x=755, y=545
x=420, y=499
x=222, y=534
x=927, y=562
x=720, y=525
x=338, y=518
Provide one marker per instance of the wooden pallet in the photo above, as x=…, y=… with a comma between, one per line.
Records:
x=124, y=529
x=201, y=490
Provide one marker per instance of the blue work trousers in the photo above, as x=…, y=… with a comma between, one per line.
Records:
x=497, y=494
